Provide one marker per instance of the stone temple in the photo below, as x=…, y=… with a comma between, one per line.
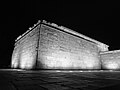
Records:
x=49, y=46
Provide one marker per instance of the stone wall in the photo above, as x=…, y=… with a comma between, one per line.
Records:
x=27, y=50
x=60, y=50
x=50, y=47
x=111, y=60
x=16, y=57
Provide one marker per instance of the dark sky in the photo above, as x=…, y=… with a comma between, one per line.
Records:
x=98, y=20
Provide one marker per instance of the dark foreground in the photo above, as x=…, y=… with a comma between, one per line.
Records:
x=16, y=79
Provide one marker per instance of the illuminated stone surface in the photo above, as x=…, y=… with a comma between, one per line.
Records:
x=27, y=50
x=28, y=53
x=58, y=50
x=111, y=59
x=48, y=46
x=15, y=57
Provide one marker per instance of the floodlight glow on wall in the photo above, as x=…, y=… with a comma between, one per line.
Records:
x=49, y=46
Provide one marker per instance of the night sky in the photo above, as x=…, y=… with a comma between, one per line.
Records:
x=98, y=20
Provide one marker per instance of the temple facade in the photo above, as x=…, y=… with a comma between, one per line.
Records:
x=49, y=46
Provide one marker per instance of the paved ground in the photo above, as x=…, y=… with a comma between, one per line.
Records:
x=14, y=79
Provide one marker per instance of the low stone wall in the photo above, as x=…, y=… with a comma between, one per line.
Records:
x=110, y=60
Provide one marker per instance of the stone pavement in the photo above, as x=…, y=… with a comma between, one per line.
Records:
x=14, y=79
